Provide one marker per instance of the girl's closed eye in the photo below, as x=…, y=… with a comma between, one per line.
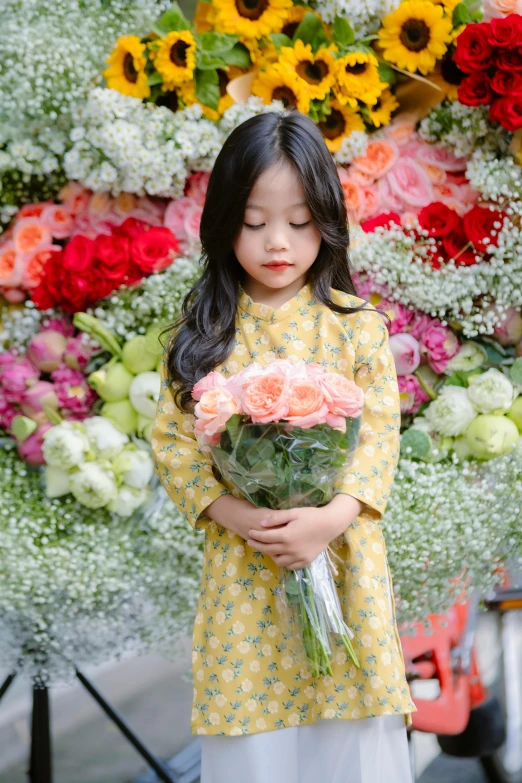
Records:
x=294, y=225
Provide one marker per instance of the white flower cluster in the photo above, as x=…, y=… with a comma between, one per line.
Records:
x=79, y=587
x=97, y=464
x=122, y=145
x=365, y=16
x=450, y=519
x=496, y=179
x=353, y=146
x=157, y=300
x=19, y=326
x=464, y=294
x=53, y=51
x=240, y=112
x=463, y=129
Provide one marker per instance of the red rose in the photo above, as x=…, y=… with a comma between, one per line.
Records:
x=154, y=250
x=385, y=219
x=78, y=254
x=507, y=111
x=479, y=225
x=507, y=82
x=511, y=59
x=506, y=33
x=113, y=254
x=474, y=51
x=131, y=228
x=475, y=90
x=457, y=247
x=438, y=219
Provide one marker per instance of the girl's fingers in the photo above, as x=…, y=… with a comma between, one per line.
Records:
x=266, y=536
x=268, y=549
x=278, y=518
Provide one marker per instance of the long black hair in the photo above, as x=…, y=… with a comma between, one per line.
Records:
x=204, y=334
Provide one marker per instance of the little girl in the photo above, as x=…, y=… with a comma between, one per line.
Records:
x=276, y=285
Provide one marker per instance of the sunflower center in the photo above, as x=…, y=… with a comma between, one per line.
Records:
x=251, y=9
x=334, y=125
x=223, y=80
x=285, y=95
x=451, y=73
x=313, y=73
x=169, y=99
x=131, y=74
x=357, y=68
x=178, y=53
x=290, y=28
x=415, y=35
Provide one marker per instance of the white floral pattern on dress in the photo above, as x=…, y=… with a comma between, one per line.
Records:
x=247, y=676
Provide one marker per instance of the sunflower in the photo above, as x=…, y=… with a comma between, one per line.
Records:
x=314, y=71
x=252, y=18
x=339, y=125
x=296, y=15
x=357, y=78
x=415, y=35
x=188, y=95
x=204, y=17
x=174, y=57
x=448, y=76
x=277, y=83
x=126, y=71
x=267, y=54
x=380, y=112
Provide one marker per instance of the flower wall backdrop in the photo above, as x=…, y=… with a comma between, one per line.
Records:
x=103, y=172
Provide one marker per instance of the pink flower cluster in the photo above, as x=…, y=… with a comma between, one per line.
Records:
x=415, y=339
x=40, y=229
x=48, y=376
x=401, y=173
x=301, y=394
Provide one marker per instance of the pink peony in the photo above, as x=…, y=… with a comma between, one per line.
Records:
x=211, y=381
x=440, y=345
x=40, y=394
x=306, y=404
x=7, y=413
x=509, y=332
x=409, y=182
x=73, y=392
x=213, y=410
x=46, y=350
x=418, y=324
x=266, y=398
x=196, y=187
x=406, y=353
x=399, y=314
x=16, y=378
x=62, y=325
x=78, y=352
x=30, y=449
x=411, y=393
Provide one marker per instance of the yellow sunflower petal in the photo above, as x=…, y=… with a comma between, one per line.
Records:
x=415, y=35
x=174, y=57
x=315, y=71
x=126, y=71
x=254, y=20
x=278, y=83
x=339, y=125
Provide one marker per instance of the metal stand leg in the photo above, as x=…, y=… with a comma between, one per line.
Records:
x=7, y=682
x=156, y=764
x=40, y=768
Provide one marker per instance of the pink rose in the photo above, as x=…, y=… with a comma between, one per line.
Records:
x=411, y=393
x=197, y=185
x=306, y=404
x=509, y=332
x=410, y=183
x=399, y=314
x=406, y=353
x=58, y=220
x=266, y=398
x=211, y=381
x=30, y=449
x=7, y=413
x=440, y=344
x=370, y=198
x=46, y=350
x=11, y=265
x=343, y=397
x=175, y=215
x=213, y=410
x=418, y=324
x=444, y=159
x=16, y=378
x=497, y=9
x=390, y=201
x=379, y=158
x=401, y=131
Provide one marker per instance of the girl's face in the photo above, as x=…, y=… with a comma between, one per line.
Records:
x=278, y=242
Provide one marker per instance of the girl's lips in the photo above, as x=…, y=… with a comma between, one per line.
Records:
x=277, y=265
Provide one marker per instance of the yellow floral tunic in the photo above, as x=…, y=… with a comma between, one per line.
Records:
x=248, y=677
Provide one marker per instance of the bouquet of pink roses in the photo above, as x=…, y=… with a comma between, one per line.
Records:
x=284, y=435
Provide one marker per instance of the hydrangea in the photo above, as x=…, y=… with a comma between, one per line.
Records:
x=463, y=129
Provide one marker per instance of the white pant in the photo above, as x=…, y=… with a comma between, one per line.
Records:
x=373, y=750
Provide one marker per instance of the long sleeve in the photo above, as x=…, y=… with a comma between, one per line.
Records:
x=183, y=469
x=371, y=473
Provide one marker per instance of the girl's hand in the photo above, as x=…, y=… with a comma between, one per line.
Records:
x=294, y=538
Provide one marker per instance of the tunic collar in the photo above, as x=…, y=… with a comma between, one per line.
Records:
x=267, y=313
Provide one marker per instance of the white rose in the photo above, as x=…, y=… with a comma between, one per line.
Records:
x=491, y=392
x=452, y=412
x=470, y=356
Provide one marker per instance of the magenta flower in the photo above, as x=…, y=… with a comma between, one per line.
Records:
x=42, y=393
x=16, y=377
x=406, y=353
x=73, y=392
x=77, y=352
x=62, y=325
x=439, y=344
x=411, y=393
x=30, y=449
x=399, y=314
x=7, y=413
x=46, y=350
